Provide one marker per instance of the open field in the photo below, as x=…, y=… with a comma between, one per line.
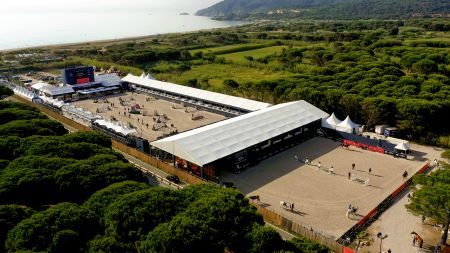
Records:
x=256, y=53
x=216, y=73
x=146, y=122
x=321, y=199
x=230, y=48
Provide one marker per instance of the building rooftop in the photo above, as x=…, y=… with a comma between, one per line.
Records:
x=213, y=97
x=213, y=142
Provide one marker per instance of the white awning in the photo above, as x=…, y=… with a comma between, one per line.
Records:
x=213, y=97
x=115, y=127
x=212, y=142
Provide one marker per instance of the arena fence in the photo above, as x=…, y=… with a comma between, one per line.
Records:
x=296, y=228
x=378, y=210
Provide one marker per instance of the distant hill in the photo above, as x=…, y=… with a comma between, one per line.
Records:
x=329, y=9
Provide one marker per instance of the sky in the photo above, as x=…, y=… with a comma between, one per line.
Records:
x=108, y=5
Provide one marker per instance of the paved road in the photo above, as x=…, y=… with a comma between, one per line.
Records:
x=152, y=169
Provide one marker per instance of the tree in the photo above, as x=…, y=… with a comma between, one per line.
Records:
x=65, y=227
x=394, y=31
x=100, y=200
x=10, y=216
x=431, y=198
x=135, y=214
x=5, y=91
x=264, y=239
x=209, y=224
x=425, y=66
x=230, y=83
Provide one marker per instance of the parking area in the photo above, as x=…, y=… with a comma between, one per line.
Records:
x=321, y=198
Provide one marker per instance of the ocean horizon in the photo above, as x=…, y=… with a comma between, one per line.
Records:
x=33, y=29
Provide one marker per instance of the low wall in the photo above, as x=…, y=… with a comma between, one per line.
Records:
x=288, y=225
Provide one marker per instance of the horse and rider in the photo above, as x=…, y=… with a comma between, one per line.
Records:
x=352, y=210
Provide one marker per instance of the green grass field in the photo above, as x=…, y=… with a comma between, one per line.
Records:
x=216, y=73
x=256, y=54
x=230, y=48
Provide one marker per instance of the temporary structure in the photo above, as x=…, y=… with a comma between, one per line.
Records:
x=331, y=122
x=348, y=126
x=402, y=146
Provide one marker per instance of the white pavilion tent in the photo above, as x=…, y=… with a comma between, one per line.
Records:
x=348, y=126
x=331, y=122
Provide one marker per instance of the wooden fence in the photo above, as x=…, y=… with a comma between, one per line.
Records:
x=293, y=227
x=183, y=175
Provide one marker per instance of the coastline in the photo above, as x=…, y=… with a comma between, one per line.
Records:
x=114, y=38
x=106, y=42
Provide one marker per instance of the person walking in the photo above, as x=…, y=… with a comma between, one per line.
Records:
x=331, y=170
x=349, y=175
x=370, y=170
x=292, y=206
x=319, y=165
x=353, y=166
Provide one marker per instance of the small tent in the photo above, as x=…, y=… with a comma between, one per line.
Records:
x=348, y=126
x=402, y=146
x=331, y=122
x=142, y=75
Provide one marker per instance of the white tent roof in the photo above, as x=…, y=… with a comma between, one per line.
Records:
x=331, y=122
x=39, y=85
x=212, y=142
x=108, y=80
x=402, y=146
x=25, y=93
x=55, y=91
x=347, y=126
x=115, y=127
x=236, y=102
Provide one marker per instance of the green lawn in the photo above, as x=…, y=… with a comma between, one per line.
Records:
x=256, y=54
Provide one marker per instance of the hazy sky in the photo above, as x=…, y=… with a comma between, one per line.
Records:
x=107, y=5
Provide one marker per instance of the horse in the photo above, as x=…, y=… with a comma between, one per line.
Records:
x=284, y=205
x=351, y=211
x=418, y=241
x=254, y=198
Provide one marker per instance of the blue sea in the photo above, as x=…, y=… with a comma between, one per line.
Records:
x=27, y=29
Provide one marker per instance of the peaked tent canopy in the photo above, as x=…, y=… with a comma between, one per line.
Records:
x=213, y=142
x=348, y=126
x=331, y=122
x=402, y=146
